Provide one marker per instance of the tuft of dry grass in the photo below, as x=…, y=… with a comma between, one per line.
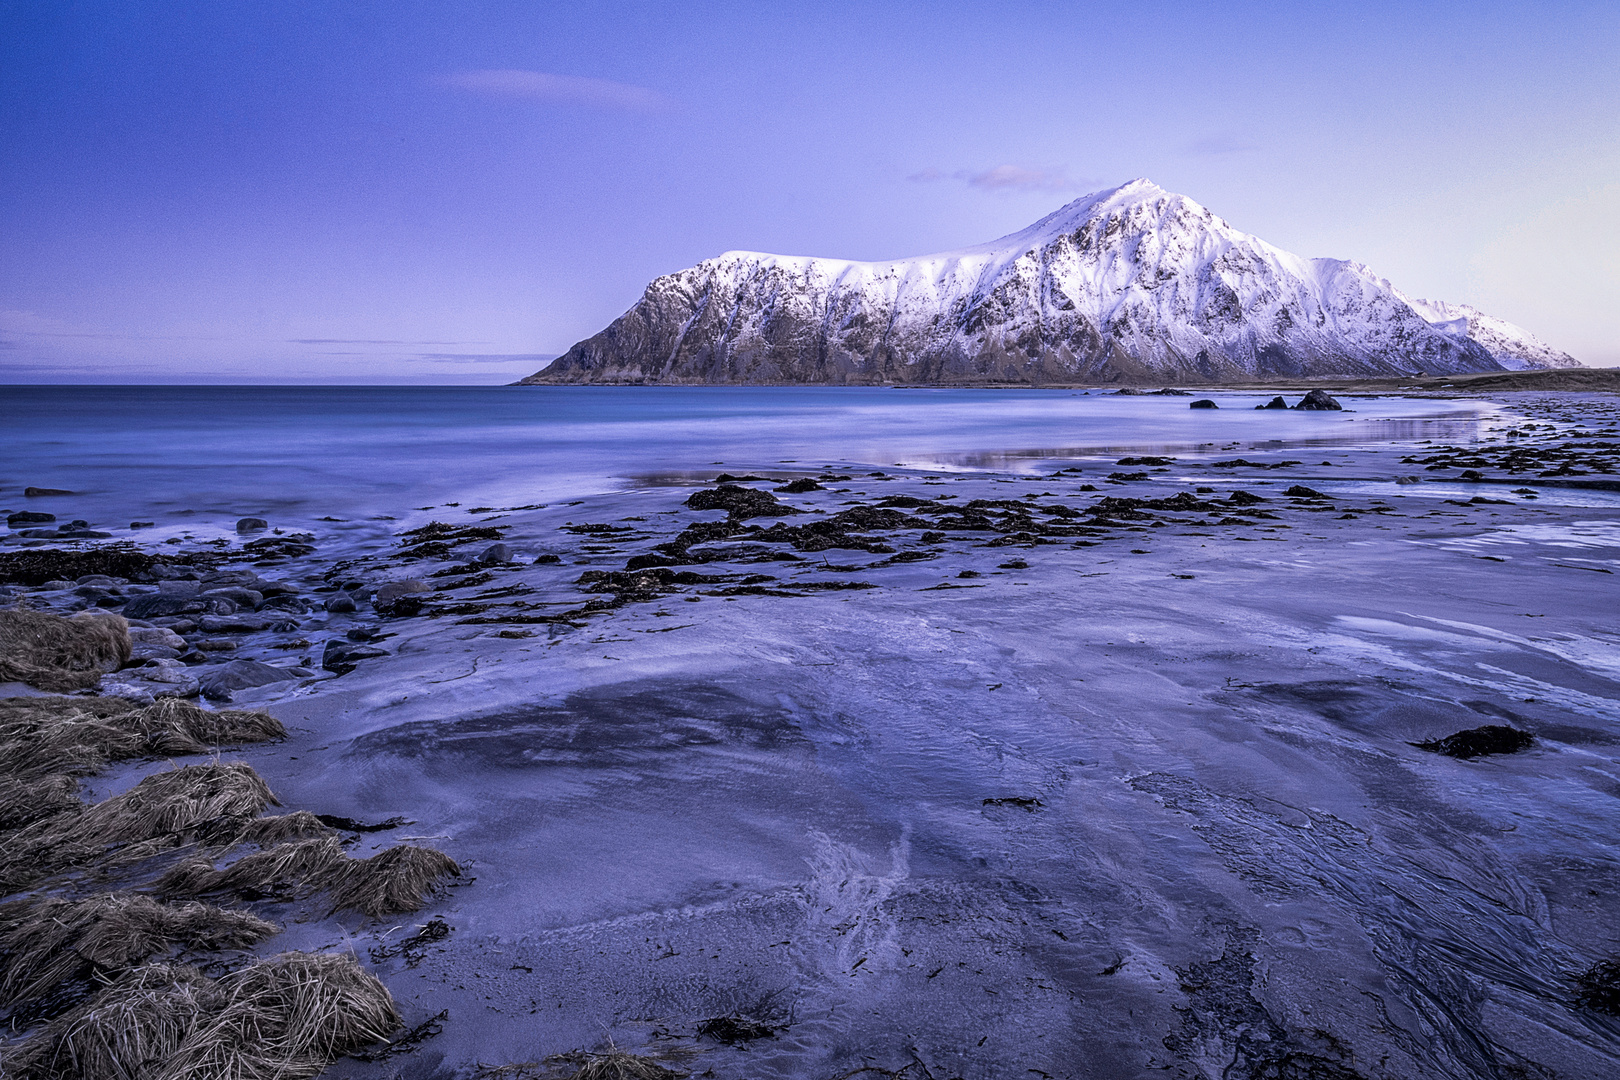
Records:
x=24, y=801
x=266, y=831
x=301, y=866
x=45, y=941
x=618, y=1065
x=392, y=882
x=59, y=654
x=124, y=1032
x=160, y=812
x=285, y=1018
x=80, y=735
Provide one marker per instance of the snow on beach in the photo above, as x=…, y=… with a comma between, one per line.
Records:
x=1064, y=766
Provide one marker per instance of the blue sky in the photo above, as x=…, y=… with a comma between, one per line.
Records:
x=412, y=191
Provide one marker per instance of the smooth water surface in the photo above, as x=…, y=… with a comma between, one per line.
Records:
x=300, y=453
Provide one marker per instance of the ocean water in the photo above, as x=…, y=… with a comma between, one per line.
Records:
x=203, y=456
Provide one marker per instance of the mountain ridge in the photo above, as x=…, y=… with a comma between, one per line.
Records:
x=1127, y=285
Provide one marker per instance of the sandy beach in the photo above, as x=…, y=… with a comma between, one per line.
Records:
x=1106, y=769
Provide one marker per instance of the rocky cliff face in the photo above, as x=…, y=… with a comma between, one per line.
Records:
x=1136, y=284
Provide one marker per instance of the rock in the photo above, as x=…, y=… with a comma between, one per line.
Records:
x=142, y=524
x=1300, y=491
x=1244, y=498
x=1405, y=480
x=179, y=626
x=99, y=579
x=56, y=584
x=218, y=683
x=293, y=605
x=65, y=532
x=342, y=657
x=1171, y=391
x=1472, y=474
x=156, y=635
x=1275, y=403
x=251, y=525
x=341, y=604
x=393, y=589
x=156, y=678
x=800, y=486
x=272, y=588
x=495, y=554
x=1203, y=403
x=179, y=587
x=1318, y=400
x=36, y=492
x=154, y=605
x=238, y=595
x=143, y=651
x=28, y=517
x=215, y=644
x=543, y=560
x=241, y=624
x=1129, y=391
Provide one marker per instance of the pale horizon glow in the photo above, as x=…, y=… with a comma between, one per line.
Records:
x=410, y=193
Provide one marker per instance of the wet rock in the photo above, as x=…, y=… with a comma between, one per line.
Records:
x=341, y=604
x=1275, y=403
x=342, y=657
x=215, y=644
x=394, y=589
x=251, y=525
x=292, y=605
x=241, y=624
x=496, y=554
x=1479, y=742
x=36, y=492
x=1146, y=461
x=66, y=532
x=1405, y=481
x=1244, y=498
x=1300, y=491
x=219, y=683
x=141, y=652
x=156, y=678
x=1203, y=403
x=1318, y=400
x=800, y=486
x=1472, y=474
x=545, y=560
x=156, y=635
x=29, y=517
x=159, y=604
x=237, y=595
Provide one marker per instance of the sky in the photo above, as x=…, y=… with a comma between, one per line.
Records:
x=403, y=191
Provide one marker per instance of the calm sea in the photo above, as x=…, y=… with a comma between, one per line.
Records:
x=205, y=455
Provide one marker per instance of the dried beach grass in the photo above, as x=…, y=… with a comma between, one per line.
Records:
x=285, y=1018
x=59, y=654
x=302, y=866
x=618, y=1065
x=124, y=1032
x=47, y=940
x=24, y=801
x=80, y=735
x=158, y=813
x=279, y=828
x=392, y=882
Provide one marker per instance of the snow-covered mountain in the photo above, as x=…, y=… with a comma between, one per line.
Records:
x=1134, y=284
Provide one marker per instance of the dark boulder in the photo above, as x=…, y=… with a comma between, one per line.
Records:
x=1275, y=403
x=251, y=524
x=1318, y=400
x=342, y=657
x=155, y=605
x=1244, y=498
x=1300, y=491
x=341, y=604
x=29, y=517
x=1203, y=403
x=800, y=486
x=496, y=554
x=218, y=683
x=36, y=492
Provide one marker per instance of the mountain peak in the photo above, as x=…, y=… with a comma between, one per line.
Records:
x=1133, y=284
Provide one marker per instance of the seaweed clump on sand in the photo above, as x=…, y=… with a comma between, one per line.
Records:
x=284, y=1018
x=49, y=652
x=1479, y=742
x=1598, y=987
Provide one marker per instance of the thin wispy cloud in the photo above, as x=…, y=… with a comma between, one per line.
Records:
x=1009, y=178
x=485, y=358
x=373, y=341
x=1218, y=144
x=515, y=84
